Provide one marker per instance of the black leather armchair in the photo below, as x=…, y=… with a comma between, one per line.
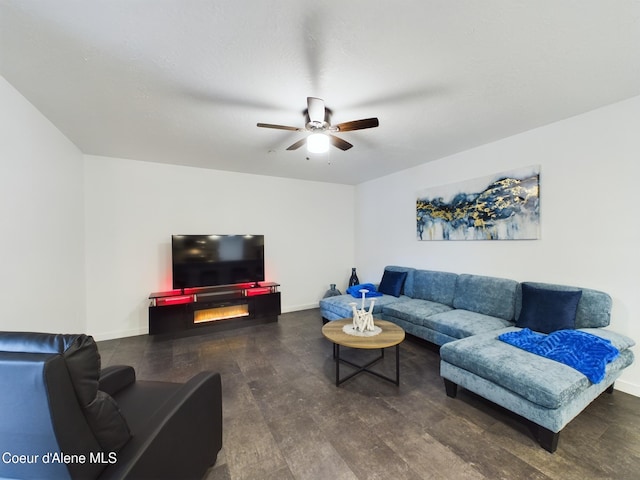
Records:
x=62, y=417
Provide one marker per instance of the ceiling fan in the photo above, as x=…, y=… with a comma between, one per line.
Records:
x=318, y=126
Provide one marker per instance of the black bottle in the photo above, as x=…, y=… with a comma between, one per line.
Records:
x=353, y=280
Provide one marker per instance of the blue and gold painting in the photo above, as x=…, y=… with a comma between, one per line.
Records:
x=505, y=206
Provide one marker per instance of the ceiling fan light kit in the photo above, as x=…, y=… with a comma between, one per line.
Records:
x=318, y=126
x=317, y=143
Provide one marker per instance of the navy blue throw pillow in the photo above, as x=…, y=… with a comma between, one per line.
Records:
x=544, y=310
x=392, y=282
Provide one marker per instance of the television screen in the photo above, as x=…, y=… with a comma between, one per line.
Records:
x=212, y=260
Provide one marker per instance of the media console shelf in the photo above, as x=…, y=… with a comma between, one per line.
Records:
x=194, y=309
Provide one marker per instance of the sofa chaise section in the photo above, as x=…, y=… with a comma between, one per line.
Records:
x=547, y=393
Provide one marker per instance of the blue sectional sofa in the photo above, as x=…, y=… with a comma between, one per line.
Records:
x=465, y=314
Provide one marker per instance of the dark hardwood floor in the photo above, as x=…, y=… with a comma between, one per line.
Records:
x=285, y=419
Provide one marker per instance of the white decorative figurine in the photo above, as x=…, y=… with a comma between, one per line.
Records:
x=363, y=319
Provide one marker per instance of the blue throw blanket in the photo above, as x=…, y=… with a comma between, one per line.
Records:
x=372, y=291
x=589, y=354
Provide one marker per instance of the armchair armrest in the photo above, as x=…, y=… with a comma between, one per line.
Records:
x=115, y=378
x=181, y=440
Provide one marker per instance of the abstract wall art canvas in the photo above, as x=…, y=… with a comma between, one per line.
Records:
x=504, y=206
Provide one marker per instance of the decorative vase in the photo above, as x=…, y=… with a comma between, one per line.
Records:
x=332, y=292
x=353, y=280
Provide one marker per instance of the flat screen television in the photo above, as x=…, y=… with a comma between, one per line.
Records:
x=213, y=260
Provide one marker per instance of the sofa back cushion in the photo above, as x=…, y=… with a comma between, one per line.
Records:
x=487, y=295
x=594, y=307
x=407, y=288
x=434, y=286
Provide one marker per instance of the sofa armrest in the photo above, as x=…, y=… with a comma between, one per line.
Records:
x=181, y=440
x=115, y=378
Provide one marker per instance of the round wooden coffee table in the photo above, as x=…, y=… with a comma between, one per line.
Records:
x=391, y=335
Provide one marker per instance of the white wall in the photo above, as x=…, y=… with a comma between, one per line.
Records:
x=590, y=171
x=133, y=208
x=590, y=233
x=41, y=212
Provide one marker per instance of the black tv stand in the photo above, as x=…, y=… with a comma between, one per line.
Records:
x=206, y=309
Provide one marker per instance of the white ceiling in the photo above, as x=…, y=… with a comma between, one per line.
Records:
x=186, y=81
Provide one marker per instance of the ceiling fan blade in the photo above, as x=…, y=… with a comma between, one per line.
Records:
x=340, y=143
x=357, y=125
x=315, y=108
x=281, y=127
x=298, y=144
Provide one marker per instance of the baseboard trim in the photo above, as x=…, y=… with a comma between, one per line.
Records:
x=119, y=334
x=627, y=387
x=297, y=308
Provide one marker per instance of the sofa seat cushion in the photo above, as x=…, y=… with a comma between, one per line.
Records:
x=334, y=308
x=540, y=380
x=459, y=323
x=414, y=311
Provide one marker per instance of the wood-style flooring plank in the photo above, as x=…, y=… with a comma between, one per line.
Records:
x=284, y=418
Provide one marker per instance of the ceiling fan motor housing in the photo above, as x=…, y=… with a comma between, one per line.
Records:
x=315, y=126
